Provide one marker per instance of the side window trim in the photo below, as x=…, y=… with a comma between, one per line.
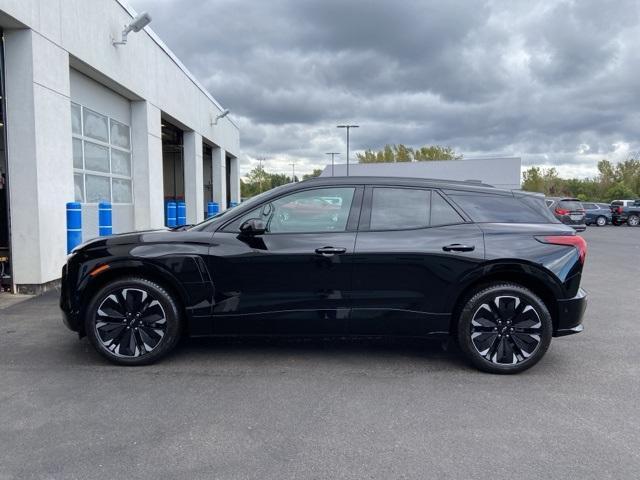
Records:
x=354, y=212
x=456, y=208
x=365, y=217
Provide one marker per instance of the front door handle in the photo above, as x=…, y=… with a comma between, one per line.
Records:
x=457, y=247
x=330, y=251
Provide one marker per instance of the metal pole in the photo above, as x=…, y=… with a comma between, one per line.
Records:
x=333, y=155
x=348, y=127
x=293, y=165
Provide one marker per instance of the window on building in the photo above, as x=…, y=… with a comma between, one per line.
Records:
x=101, y=157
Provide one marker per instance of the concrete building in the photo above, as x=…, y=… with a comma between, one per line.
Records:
x=501, y=172
x=88, y=120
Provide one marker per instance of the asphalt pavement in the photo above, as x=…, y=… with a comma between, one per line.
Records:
x=329, y=409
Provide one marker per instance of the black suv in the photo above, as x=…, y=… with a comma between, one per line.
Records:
x=340, y=256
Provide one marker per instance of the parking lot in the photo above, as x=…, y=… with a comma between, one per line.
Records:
x=329, y=409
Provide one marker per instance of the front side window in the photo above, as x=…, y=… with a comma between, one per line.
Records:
x=309, y=211
x=590, y=206
x=101, y=157
x=399, y=208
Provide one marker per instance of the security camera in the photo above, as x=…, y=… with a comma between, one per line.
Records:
x=135, y=26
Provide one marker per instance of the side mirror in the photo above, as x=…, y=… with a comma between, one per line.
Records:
x=253, y=226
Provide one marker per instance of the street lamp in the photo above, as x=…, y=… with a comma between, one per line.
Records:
x=348, y=127
x=333, y=154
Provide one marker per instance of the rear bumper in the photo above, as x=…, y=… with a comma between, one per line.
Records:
x=570, y=313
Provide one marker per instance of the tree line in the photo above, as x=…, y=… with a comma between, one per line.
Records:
x=613, y=182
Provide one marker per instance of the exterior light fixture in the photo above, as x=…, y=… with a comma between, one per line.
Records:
x=136, y=25
x=222, y=115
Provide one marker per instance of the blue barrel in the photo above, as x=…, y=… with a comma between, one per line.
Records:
x=172, y=220
x=105, y=223
x=74, y=225
x=182, y=214
x=212, y=209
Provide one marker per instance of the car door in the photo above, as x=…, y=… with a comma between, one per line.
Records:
x=411, y=250
x=296, y=276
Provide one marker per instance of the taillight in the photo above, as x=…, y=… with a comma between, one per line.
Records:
x=562, y=211
x=570, y=240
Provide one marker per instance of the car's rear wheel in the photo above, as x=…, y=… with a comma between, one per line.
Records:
x=133, y=321
x=504, y=328
x=633, y=220
x=601, y=221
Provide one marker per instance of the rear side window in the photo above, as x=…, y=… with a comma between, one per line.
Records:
x=399, y=208
x=590, y=206
x=502, y=208
x=442, y=213
x=569, y=205
x=616, y=203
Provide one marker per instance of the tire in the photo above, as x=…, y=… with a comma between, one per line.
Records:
x=123, y=338
x=633, y=220
x=495, y=340
x=601, y=221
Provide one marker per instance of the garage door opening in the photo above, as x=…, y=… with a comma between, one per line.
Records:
x=5, y=251
x=172, y=162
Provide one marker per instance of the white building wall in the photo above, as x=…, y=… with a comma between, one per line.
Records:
x=501, y=172
x=47, y=41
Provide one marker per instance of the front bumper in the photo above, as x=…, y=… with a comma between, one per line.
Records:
x=570, y=313
x=69, y=316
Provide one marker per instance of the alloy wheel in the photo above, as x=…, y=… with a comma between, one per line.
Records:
x=633, y=221
x=130, y=323
x=506, y=330
x=601, y=221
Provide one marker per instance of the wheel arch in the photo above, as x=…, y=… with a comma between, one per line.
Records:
x=535, y=279
x=135, y=268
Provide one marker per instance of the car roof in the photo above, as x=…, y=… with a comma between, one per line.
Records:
x=468, y=185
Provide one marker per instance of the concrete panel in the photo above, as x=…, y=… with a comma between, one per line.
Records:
x=193, y=181
x=235, y=180
x=39, y=146
x=95, y=96
x=219, y=178
x=147, y=166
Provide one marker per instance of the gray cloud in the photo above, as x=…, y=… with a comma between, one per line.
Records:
x=552, y=81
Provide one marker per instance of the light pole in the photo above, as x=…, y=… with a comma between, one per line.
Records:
x=293, y=165
x=348, y=127
x=333, y=154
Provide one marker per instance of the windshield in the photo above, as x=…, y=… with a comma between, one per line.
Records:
x=247, y=203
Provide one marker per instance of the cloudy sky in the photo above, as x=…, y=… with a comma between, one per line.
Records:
x=555, y=82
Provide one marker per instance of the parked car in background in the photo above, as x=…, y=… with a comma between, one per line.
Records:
x=625, y=211
x=569, y=211
x=491, y=268
x=597, y=213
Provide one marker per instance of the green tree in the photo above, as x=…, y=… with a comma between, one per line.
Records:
x=316, y=173
x=435, y=152
x=402, y=153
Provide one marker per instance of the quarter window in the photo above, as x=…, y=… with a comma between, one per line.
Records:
x=442, y=213
x=101, y=157
x=399, y=208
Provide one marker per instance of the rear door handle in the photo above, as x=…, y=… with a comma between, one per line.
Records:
x=458, y=247
x=329, y=251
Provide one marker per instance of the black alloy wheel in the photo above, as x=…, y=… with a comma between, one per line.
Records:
x=504, y=328
x=133, y=321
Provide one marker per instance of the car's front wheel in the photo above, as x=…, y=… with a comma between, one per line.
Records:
x=133, y=321
x=504, y=328
x=601, y=221
x=633, y=220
